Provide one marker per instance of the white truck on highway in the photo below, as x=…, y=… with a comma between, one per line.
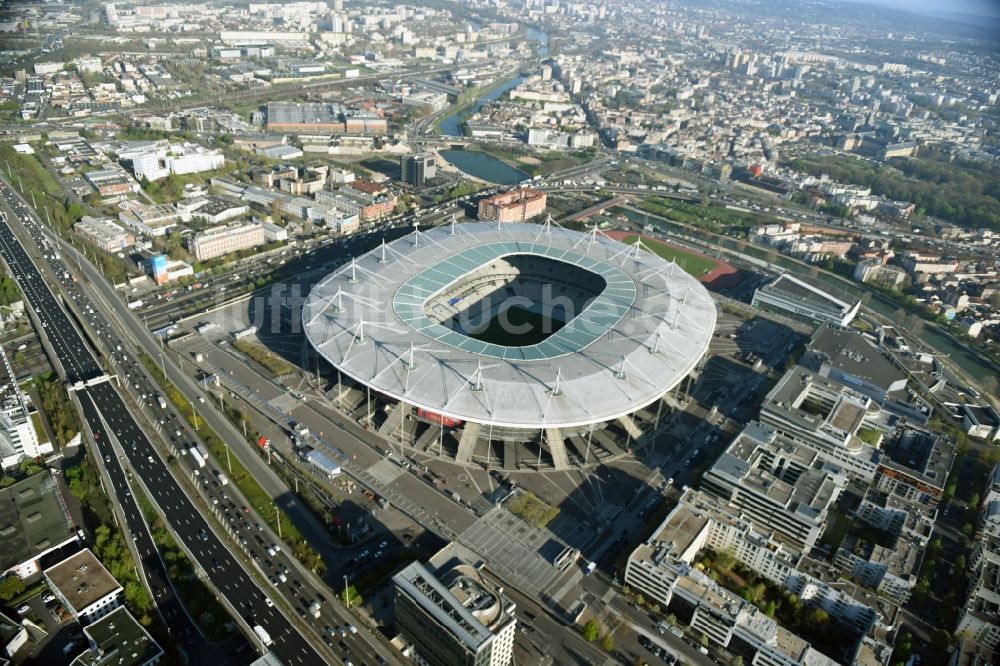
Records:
x=262, y=634
x=198, y=454
x=223, y=481
x=314, y=609
x=163, y=401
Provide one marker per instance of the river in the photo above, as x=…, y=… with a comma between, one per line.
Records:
x=484, y=166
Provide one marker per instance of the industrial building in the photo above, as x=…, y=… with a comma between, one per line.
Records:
x=105, y=234
x=316, y=117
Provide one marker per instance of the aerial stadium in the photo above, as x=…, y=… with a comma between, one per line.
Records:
x=512, y=345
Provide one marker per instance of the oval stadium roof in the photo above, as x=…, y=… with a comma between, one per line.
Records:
x=632, y=343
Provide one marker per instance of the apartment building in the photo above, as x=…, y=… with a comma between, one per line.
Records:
x=657, y=567
x=513, y=206
x=979, y=622
x=780, y=487
x=824, y=416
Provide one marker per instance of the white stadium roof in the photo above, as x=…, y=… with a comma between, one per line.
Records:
x=635, y=341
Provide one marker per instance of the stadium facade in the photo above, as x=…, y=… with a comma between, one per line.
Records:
x=510, y=344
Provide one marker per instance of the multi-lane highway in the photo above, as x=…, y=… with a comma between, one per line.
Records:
x=103, y=404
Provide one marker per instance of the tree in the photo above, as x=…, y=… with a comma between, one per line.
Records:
x=607, y=642
x=10, y=586
x=671, y=619
x=737, y=660
x=817, y=616
x=591, y=630
x=350, y=596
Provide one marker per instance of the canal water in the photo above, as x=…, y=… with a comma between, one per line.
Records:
x=451, y=125
x=483, y=165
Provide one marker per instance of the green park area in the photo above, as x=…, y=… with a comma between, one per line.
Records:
x=695, y=264
x=526, y=505
x=274, y=364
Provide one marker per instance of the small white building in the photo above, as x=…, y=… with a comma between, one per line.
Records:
x=86, y=589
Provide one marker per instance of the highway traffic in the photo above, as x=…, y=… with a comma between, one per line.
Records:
x=111, y=420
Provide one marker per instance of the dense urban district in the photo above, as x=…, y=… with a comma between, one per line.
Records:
x=499, y=332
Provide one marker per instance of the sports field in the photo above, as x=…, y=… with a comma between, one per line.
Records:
x=695, y=264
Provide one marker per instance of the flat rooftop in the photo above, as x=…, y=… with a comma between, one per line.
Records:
x=32, y=520
x=82, y=579
x=851, y=353
x=816, y=295
x=117, y=639
x=292, y=113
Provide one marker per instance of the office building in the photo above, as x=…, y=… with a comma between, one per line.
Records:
x=86, y=589
x=850, y=358
x=417, y=169
x=514, y=206
x=803, y=299
x=451, y=614
x=779, y=486
x=34, y=522
x=117, y=639
x=220, y=241
x=159, y=160
x=105, y=234
x=915, y=465
x=826, y=417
